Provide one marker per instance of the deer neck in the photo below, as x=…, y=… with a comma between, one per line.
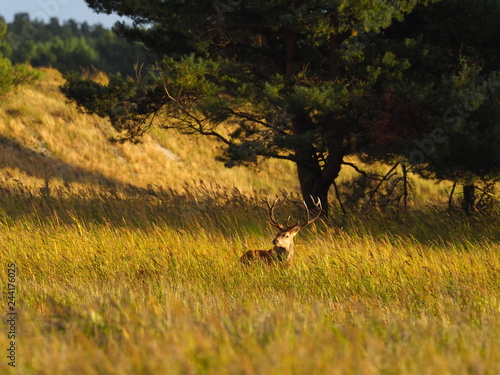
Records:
x=284, y=254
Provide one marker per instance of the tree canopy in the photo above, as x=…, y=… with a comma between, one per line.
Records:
x=306, y=81
x=456, y=76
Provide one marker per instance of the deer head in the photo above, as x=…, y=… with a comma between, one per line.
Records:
x=283, y=242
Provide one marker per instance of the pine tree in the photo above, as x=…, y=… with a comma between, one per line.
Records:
x=454, y=79
x=279, y=79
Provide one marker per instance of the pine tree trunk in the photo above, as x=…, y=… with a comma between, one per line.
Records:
x=315, y=183
x=316, y=179
x=469, y=202
x=309, y=177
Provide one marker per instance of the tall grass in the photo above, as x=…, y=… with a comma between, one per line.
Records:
x=148, y=282
x=126, y=268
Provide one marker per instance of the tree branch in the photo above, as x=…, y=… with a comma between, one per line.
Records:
x=355, y=167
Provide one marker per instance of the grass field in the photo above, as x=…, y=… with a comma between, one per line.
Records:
x=117, y=277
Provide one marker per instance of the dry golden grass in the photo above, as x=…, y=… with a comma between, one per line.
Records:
x=62, y=144
x=45, y=138
x=139, y=284
x=130, y=280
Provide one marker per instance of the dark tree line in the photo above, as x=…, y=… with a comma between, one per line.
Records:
x=12, y=75
x=69, y=46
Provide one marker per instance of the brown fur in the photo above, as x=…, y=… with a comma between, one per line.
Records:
x=282, y=252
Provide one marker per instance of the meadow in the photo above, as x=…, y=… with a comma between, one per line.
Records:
x=126, y=262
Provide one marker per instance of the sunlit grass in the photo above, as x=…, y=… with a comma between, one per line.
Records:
x=62, y=144
x=143, y=284
x=128, y=259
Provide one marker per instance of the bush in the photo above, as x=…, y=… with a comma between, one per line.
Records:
x=14, y=75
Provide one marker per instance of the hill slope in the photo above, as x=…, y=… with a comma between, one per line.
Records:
x=118, y=283
x=42, y=137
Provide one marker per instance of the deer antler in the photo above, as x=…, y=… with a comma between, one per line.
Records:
x=271, y=207
x=277, y=203
x=319, y=209
x=282, y=250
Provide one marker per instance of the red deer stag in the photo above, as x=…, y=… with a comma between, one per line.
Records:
x=283, y=242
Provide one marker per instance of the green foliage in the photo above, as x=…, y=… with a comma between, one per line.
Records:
x=70, y=46
x=453, y=79
x=310, y=82
x=470, y=139
x=253, y=79
x=13, y=75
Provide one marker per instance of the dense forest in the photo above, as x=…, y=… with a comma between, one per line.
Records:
x=69, y=46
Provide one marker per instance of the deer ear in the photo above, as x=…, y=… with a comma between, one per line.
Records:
x=294, y=231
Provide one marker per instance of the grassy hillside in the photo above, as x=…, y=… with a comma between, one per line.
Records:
x=42, y=137
x=113, y=277
x=45, y=139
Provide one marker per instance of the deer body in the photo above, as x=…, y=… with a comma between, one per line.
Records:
x=282, y=252
x=266, y=256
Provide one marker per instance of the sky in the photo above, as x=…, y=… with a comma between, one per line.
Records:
x=62, y=9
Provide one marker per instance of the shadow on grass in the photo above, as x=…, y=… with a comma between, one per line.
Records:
x=110, y=202
x=211, y=208
x=40, y=164
x=214, y=210
x=197, y=207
